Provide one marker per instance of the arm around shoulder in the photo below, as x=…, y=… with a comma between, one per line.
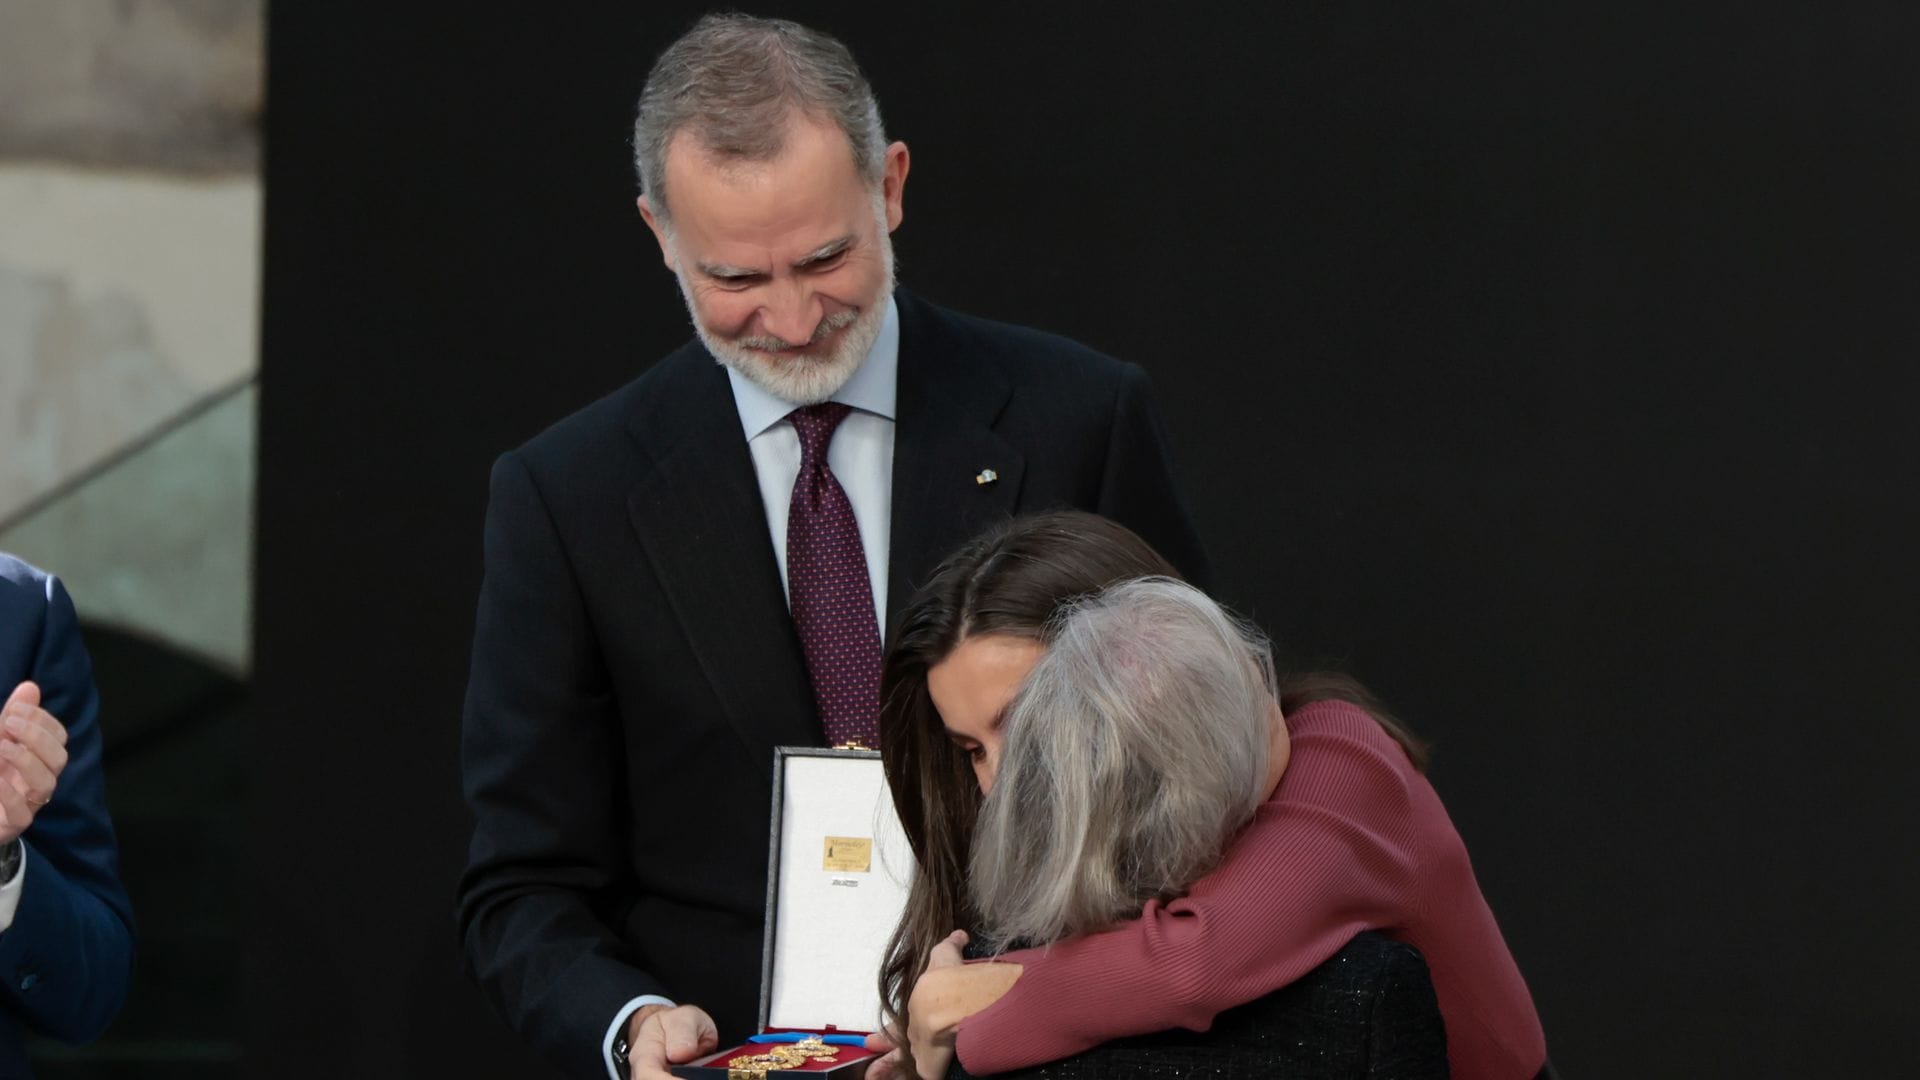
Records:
x=1332, y=854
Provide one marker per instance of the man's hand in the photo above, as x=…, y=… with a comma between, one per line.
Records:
x=949, y=991
x=659, y=1037
x=33, y=751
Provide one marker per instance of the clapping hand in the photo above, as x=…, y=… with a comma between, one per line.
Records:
x=33, y=751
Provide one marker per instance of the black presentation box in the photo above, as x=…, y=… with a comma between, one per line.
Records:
x=838, y=867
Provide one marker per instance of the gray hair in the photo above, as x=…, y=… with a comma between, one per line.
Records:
x=734, y=83
x=1133, y=752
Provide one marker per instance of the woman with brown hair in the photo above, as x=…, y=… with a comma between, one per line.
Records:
x=1350, y=839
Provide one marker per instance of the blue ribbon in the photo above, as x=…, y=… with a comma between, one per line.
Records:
x=795, y=1036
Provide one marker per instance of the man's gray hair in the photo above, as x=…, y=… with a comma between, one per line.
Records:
x=734, y=82
x=1133, y=752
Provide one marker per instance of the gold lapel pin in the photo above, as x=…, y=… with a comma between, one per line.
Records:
x=986, y=476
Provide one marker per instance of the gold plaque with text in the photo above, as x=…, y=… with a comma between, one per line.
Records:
x=849, y=854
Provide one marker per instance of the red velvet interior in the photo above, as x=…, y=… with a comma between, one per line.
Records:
x=846, y=1053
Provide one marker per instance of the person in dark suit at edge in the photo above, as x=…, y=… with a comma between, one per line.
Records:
x=66, y=929
x=697, y=568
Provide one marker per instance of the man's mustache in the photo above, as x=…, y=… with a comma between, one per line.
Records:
x=828, y=325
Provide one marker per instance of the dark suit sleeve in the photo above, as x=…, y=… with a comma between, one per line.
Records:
x=1137, y=486
x=545, y=877
x=66, y=960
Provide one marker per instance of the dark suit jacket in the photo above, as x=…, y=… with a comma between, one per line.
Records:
x=634, y=663
x=65, y=961
x=1368, y=1013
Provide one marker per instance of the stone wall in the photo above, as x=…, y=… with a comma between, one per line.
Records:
x=130, y=208
x=129, y=282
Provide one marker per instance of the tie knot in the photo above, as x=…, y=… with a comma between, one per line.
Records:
x=816, y=424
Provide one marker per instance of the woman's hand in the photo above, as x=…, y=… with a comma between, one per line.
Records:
x=891, y=1064
x=948, y=992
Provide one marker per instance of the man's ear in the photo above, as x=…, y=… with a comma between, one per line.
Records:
x=893, y=181
x=659, y=231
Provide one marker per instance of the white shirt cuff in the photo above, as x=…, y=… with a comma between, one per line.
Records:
x=10, y=892
x=613, y=1030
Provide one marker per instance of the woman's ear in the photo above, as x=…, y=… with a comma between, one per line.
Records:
x=1279, y=748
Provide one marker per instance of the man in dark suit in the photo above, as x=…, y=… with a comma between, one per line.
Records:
x=66, y=932
x=696, y=569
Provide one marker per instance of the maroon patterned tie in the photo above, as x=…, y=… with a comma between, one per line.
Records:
x=828, y=588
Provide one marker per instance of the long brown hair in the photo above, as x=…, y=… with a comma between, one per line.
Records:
x=1012, y=580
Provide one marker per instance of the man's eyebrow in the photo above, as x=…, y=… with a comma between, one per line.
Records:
x=722, y=270
x=826, y=251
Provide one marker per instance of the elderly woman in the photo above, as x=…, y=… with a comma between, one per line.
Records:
x=1110, y=804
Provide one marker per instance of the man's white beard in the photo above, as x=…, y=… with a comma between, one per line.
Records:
x=804, y=379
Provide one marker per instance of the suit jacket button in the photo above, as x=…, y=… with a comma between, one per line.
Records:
x=28, y=981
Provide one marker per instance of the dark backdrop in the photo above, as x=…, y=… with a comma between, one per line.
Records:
x=1552, y=370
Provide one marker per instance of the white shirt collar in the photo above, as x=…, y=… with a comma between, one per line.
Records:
x=872, y=388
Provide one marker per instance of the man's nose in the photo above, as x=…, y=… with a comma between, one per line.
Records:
x=792, y=313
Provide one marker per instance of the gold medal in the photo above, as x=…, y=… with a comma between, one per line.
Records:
x=749, y=1067
x=783, y=1056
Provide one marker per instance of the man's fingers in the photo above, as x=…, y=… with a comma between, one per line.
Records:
x=25, y=696
x=671, y=1037
x=36, y=746
x=14, y=801
x=37, y=728
x=648, y=1054
x=35, y=779
x=15, y=814
x=690, y=1033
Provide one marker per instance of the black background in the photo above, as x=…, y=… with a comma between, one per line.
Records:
x=1551, y=369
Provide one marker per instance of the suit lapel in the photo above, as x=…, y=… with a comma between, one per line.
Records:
x=698, y=515
x=949, y=396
